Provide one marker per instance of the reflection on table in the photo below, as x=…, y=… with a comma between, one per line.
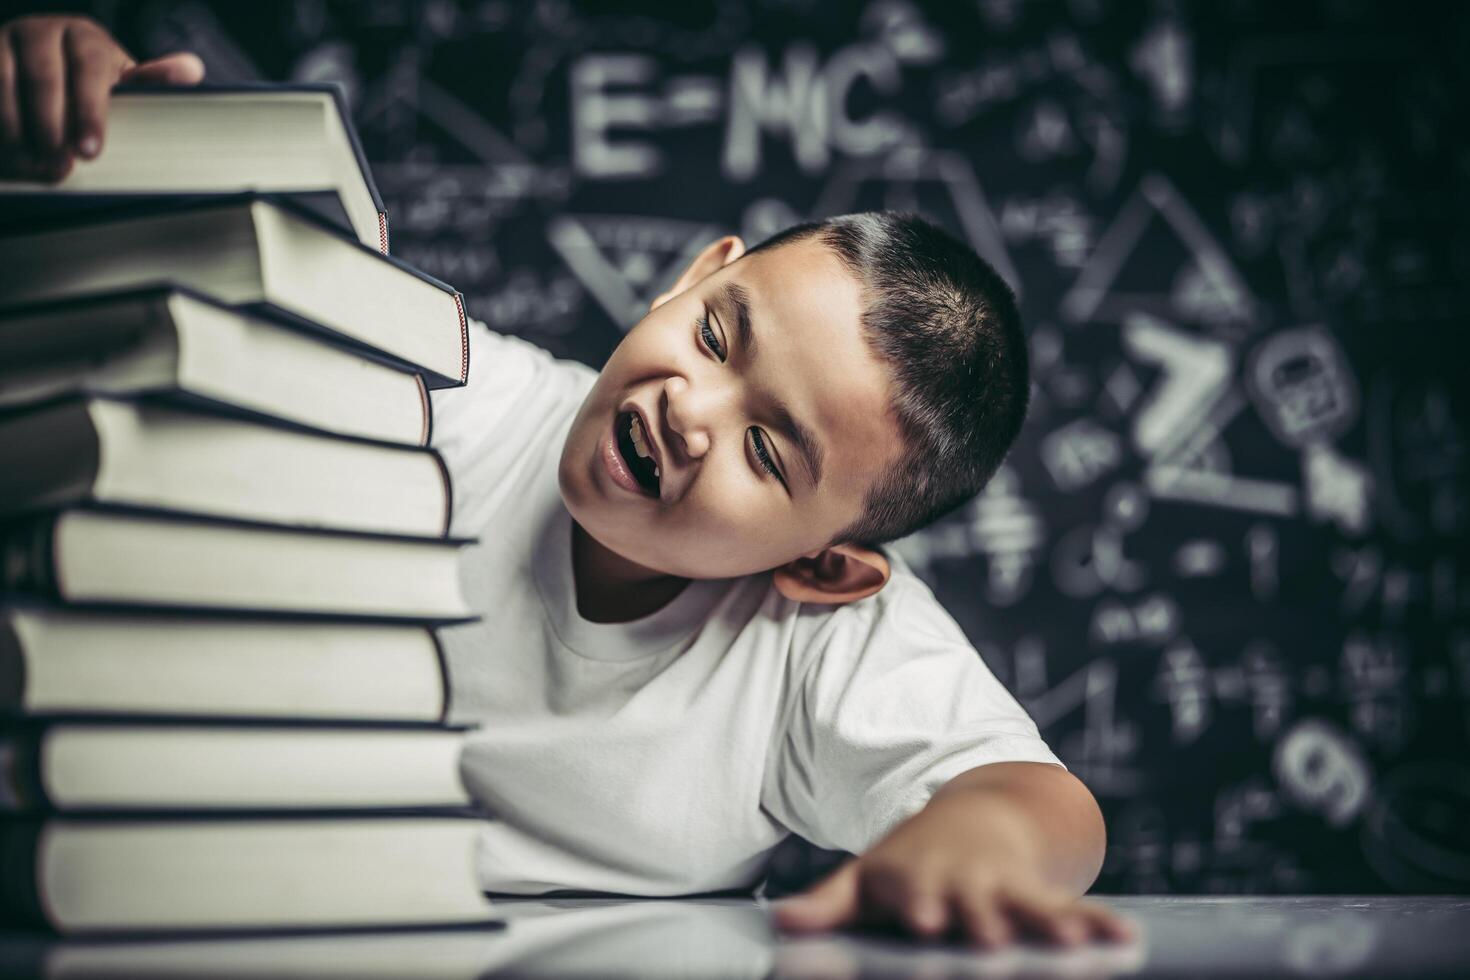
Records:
x=733, y=938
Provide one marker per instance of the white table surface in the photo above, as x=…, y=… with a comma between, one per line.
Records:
x=1338, y=936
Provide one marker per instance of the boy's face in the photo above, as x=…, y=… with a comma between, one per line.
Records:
x=710, y=397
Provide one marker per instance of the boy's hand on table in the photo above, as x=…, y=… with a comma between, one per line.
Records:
x=970, y=865
x=56, y=76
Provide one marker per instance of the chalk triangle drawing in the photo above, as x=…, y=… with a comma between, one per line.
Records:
x=1207, y=288
x=625, y=261
x=405, y=105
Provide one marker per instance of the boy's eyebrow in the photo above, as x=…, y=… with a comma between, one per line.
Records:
x=733, y=297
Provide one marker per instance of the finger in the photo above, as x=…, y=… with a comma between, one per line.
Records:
x=42, y=74
x=10, y=132
x=16, y=159
x=984, y=921
x=95, y=63
x=179, y=68
x=1046, y=916
x=59, y=166
x=831, y=903
x=925, y=914
x=908, y=898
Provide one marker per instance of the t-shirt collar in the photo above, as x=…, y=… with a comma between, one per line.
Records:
x=655, y=633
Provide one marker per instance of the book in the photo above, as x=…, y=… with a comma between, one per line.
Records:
x=170, y=342
x=133, y=875
x=103, y=558
x=111, y=451
x=258, y=252
x=80, y=766
x=172, y=141
x=59, y=661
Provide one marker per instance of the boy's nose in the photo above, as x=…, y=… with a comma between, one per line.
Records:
x=686, y=414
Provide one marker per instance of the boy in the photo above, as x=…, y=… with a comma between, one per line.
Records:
x=693, y=644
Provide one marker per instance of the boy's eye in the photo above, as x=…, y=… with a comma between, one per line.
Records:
x=708, y=335
x=763, y=455
x=758, y=439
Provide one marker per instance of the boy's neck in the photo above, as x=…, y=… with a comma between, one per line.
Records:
x=612, y=589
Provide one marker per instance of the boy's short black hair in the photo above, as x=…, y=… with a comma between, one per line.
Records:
x=947, y=326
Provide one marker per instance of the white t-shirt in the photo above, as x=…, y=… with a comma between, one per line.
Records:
x=671, y=754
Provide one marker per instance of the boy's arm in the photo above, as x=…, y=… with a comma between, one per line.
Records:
x=1000, y=851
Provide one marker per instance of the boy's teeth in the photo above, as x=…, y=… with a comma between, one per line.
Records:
x=640, y=440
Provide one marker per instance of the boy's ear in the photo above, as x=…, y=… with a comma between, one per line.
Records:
x=834, y=575
x=711, y=259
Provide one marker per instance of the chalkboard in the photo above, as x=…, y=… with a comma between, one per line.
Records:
x=1226, y=566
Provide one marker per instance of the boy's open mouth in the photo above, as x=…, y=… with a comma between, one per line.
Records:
x=633, y=446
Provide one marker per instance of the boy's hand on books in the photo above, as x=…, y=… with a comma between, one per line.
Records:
x=56, y=76
x=947, y=874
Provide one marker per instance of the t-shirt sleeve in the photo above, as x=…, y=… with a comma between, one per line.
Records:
x=893, y=703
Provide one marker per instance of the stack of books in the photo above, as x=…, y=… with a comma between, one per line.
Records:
x=223, y=539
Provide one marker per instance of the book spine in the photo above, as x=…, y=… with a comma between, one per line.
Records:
x=464, y=340
x=13, y=667
x=20, y=892
x=448, y=493
x=383, y=232
x=27, y=561
x=21, y=787
x=427, y=432
x=444, y=692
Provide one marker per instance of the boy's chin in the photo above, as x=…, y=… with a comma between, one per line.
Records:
x=612, y=536
x=642, y=552
x=610, y=531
